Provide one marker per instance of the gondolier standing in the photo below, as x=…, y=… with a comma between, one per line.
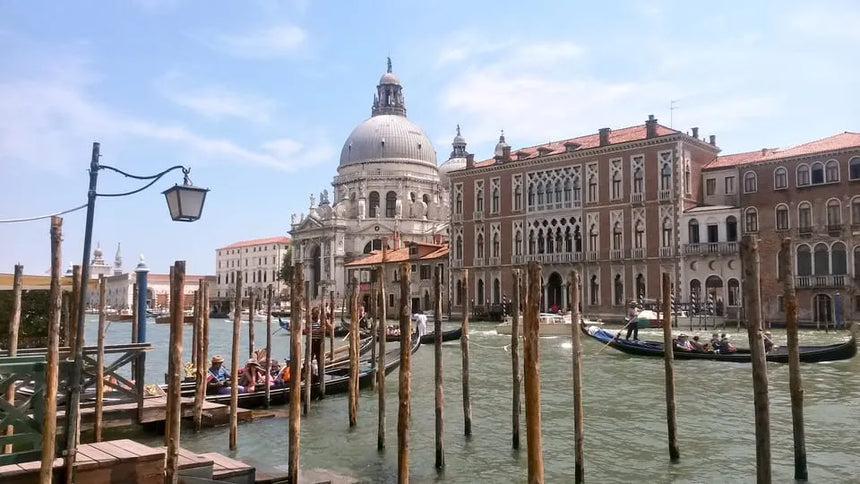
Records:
x=318, y=336
x=632, y=323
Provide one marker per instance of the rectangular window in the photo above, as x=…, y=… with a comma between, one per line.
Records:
x=730, y=185
x=616, y=186
x=479, y=196
x=779, y=179
x=855, y=212
x=713, y=233
x=782, y=219
x=458, y=198
x=495, y=195
x=425, y=272
x=710, y=186
x=518, y=192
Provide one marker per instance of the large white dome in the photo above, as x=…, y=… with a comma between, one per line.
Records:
x=388, y=138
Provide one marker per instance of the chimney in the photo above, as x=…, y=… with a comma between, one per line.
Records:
x=437, y=239
x=651, y=127
x=506, y=153
x=713, y=140
x=696, y=132
x=604, y=136
x=470, y=160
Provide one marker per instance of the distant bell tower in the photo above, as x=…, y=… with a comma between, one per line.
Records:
x=117, y=262
x=389, y=95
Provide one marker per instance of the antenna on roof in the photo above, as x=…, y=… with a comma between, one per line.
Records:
x=672, y=108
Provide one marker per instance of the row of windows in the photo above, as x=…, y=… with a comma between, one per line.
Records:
x=805, y=219
x=817, y=173
x=712, y=231
x=235, y=251
x=823, y=260
x=256, y=276
x=260, y=261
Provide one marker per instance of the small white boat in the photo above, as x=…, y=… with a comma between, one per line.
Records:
x=550, y=325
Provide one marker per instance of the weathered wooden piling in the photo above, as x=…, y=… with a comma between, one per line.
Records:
x=174, y=388
x=752, y=302
x=296, y=320
x=199, y=357
x=309, y=347
x=669, y=365
x=383, y=311
x=268, y=367
x=49, y=425
x=531, y=354
x=353, y=353
x=321, y=355
x=234, y=365
x=576, y=349
x=76, y=297
x=516, y=376
x=195, y=329
x=374, y=325
x=464, y=349
x=795, y=382
x=437, y=365
x=134, y=309
x=405, y=375
x=14, y=324
x=330, y=317
x=251, y=312
x=100, y=360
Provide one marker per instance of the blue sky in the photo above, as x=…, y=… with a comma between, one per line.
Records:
x=257, y=97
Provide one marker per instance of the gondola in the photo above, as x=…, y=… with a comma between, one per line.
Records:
x=337, y=381
x=450, y=335
x=340, y=330
x=808, y=354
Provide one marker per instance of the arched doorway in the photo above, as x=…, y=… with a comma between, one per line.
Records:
x=497, y=291
x=715, y=304
x=822, y=309
x=553, y=291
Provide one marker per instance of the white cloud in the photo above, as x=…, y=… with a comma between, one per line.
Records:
x=217, y=103
x=273, y=42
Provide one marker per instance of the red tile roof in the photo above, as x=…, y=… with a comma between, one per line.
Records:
x=840, y=141
x=623, y=135
x=248, y=243
x=431, y=252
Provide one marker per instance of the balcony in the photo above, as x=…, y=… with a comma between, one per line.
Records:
x=665, y=195
x=456, y=264
x=834, y=229
x=576, y=257
x=591, y=255
x=576, y=204
x=667, y=252
x=716, y=248
x=478, y=262
x=517, y=259
x=637, y=253
x=478, y=215
x=805, y=230
x=495, y=261
x=816, y=282
x=616, y=254
x=637, y=198
x=457, y=217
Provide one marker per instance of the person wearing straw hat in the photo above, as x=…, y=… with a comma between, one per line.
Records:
x=251, y=375
x=217, y=378
x=768, y=343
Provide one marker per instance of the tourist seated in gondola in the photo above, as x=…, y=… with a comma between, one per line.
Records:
x=768, y=343
x=251, y=376
x=698, y=345
x=217, y=378
x=725, y=345
x=715, y=342
x=682, y=343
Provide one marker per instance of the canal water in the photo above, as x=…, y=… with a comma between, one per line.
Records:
x=624, y=407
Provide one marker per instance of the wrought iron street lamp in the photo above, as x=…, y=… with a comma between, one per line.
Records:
x=185, y=203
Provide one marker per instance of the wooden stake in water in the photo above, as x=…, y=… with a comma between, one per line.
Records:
x=306, y=407
x=752, y=298
x=795, y=381
x=251, y=311
x=669, y=365
x=199, y=357
x=531, y=334
x=49, y=424
x=516, y=377
x=268, y=368
x=296, y=320
x=383, y=309
x=14, y=324
x=464, y=349
x=374, y=325
x=576, y=349
x=76, y=297
x=353, y=354
x=405, y=375
x=437, y=365
x=321, y=354
x=174, y=398
x=100, y=360
x=234, y=365
x=331, y=324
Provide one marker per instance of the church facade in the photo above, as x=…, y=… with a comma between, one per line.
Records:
x=387, y=191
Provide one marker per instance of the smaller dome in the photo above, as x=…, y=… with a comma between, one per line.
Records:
x=453, y=164
x=501, y=145
x=389, y=78
x=97, y=253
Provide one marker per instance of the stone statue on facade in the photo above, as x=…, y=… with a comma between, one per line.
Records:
x=312, y=200
x=324, y=197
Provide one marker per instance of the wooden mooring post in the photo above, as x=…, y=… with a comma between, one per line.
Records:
x=795, y=382
x=437, y=365
x=383, y=318
x=752, y=302
x=199, y=357
x=405, y=374
x=516, y=376
x=309, y=342
x=49, y=425
x=374, y=325
x=195, y=329
x=76, y=297
x=234, y=365
x=331, y=324
x=669, y=365
x=251, y=314
x=576, y=350
x=268, y=367
x=353, y=354
x=531, y=350
x=14, y=325
x=174, y=388
x=323, y=337
x=100, y=360
x=464, y=349
x=296, y=320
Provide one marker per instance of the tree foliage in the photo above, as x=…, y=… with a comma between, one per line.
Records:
x=286, y=272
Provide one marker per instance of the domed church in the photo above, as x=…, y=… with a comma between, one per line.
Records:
x=387, y=191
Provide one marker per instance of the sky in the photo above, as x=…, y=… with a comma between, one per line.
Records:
x=257, y=97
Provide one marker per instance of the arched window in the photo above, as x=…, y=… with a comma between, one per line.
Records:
x=540, y=193
x=618, y=290
x=568, y=240
x=616, y=185
x=480, y=294
x=693, y=228
x=567, y=190
x=855, y=211
x=751, y=220
x=854, y=168
x=518, y=243
x=834, y=214
x=594, y=290
x=375, y=244
x=497, y=291
x=780, y=270
x=531, y=242
x=639, y=235
x=458, y=202
x=817, y=173
x=820, y=260
x=559, y=241
x=390, y=204
x=804, y=261
x=577, y=239
x=518, y=197
x=695, y=294
x=616, y=236
x=479, y=246
x=857, y=261
x=496, y=245
x=373, y=204
x=638, y=180
x=640, y=286
x=666, y=177
x=667, y=233
x=802, y=175
x=458, y=248
x=804, y=216
x=750, y=182
x=577, y=192
x=838, y=259
x=550, y=242
x=831, y=171
x=426, y=198
x=494, y=201
x=540, y=241
x=592, y=188
x=531, y=200
x=782, y=217
x=459, y=294
x=731, y=228
x=558, y=191
x=780, y=178
x=734, y=292
x=592, y=238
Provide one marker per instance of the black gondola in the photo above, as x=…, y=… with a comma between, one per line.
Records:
x=808, y=354
x=450, y=335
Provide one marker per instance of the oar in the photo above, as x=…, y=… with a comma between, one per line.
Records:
x=617, y=335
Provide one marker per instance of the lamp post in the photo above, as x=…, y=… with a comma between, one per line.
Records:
x=185, y=203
